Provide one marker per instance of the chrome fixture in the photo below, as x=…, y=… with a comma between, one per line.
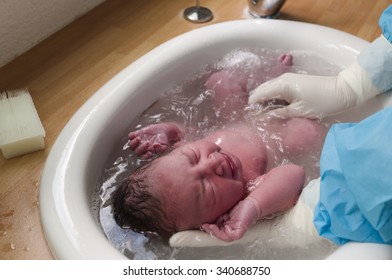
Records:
x=198, y=14
x=265, y=8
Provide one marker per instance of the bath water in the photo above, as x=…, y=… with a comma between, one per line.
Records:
x=190, y=104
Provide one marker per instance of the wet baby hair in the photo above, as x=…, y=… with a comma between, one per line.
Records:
x=136, y=208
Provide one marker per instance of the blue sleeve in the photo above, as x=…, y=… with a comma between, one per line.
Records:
x=386, y=23
x=377, y=59
x=356, y=182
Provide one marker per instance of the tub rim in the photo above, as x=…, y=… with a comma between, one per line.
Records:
x=69, y=227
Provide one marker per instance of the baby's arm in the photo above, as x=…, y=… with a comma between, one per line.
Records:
x=278, y=190
x=275, y=191
x=155, y=138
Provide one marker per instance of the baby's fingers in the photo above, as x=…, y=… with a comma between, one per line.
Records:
x=159, y=148
x=146, y=155
x=134, y=143
x=133, y=134
x=222, y=219
x=222, y=233
x=212, y=229
x=142, y=147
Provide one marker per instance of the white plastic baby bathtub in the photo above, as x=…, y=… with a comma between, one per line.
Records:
x=81, y=150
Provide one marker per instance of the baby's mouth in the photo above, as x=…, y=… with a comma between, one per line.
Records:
x=235, y=165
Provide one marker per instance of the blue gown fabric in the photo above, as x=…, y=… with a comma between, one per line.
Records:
x=377, y=59
x=385, y=23
x=356, y=182
x=356, y=168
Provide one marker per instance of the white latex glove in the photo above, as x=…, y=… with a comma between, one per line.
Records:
x=317, y=96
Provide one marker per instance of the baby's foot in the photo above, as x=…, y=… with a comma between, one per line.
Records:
x=153, y=139
x=286, y=59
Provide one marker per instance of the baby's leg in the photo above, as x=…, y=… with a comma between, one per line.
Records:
x=284, y=62
x=155, y=138
x=286, y=59
x=229, y=90
x=223, y=84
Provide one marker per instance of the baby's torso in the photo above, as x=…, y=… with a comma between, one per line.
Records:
x=295, y=137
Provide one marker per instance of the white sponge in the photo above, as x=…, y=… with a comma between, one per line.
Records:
x=21, y=130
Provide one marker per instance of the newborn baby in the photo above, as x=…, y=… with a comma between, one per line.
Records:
x=222, y=183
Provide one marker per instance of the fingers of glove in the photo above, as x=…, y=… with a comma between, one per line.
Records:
x=266, y=91
x=295, y=110
x=282, y=87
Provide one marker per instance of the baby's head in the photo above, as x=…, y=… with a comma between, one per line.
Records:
x=137, y=208
x=194, y=184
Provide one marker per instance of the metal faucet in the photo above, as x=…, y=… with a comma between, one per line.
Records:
x=265, y=8
x=198, y=14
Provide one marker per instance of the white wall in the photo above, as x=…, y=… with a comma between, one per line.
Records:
x=24, y=23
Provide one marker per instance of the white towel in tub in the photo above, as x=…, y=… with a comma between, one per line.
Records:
x=292, y=229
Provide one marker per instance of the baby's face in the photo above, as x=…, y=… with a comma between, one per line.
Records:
x=197, y=183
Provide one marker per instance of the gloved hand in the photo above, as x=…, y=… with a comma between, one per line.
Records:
x=317, y=96
x=232, y=226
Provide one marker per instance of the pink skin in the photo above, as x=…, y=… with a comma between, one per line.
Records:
x=231, y=86
x=275, y=191
x=209, y=183
x=286, y=59
x=300, y=136
x=229, y=93
x=154, y=139
x=212, y=181
x=209, y=187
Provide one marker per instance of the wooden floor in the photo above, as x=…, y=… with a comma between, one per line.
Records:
x=66, y=69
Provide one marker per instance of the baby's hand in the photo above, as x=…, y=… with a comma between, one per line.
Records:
x=154, y=139
x=233, y=225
